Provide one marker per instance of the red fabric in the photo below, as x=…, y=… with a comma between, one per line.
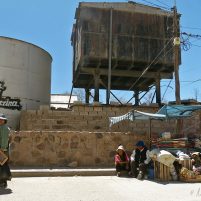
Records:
x=118, y=159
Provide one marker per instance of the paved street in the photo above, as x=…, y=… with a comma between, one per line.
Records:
x=101, y=188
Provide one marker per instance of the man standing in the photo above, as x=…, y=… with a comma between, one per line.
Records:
x=4, y=144
x=140, y=160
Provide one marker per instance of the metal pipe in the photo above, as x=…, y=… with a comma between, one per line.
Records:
x=109, y=58
x=70, y=96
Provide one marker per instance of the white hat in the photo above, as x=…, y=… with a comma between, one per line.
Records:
x=3, y=117
x=120, y=147
x=195, y=153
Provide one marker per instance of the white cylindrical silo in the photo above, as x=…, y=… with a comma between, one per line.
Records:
x=26, y=70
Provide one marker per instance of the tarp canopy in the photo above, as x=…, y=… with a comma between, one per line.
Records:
x=166, y=112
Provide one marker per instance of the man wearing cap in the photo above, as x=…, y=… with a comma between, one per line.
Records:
x=4, y=141
x=140, y=160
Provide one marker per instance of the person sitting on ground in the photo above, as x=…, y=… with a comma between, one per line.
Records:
x=121, y=160
x=196, y=162
x=140, y=160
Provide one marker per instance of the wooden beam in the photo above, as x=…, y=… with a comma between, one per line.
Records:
x=87, y=95
x=136, y=95
x=158, y=91
x=123, y=73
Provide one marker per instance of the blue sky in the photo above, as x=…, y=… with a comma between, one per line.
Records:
x=48, y=24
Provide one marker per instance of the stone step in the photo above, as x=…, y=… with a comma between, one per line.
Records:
x=45, y=172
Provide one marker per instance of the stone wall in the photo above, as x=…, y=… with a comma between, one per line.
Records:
x=60, y=148
x=96, y=118
x=82, y=135
x=79, y=118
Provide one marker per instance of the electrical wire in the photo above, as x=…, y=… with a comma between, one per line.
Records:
x=147, y=68
x=184, y=81
x=153, y=4
x=191, y=35
x=163, y=3
x=171, y=79
x=195, y=45
x=195, y=81
x=190, y=27
x=166, y=89
x=166, y=53
x=186, y=44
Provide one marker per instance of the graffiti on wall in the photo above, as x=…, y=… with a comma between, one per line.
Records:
x=8, y=102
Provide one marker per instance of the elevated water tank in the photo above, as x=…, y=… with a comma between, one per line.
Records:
x=126, y=38
x=26, y=70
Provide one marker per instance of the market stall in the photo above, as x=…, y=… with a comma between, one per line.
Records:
x=179, y=149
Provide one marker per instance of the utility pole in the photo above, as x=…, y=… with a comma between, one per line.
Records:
x=109, y=57
x=176, y=65
x=176, y=55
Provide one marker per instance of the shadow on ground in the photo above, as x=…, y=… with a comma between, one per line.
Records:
x=4, y=191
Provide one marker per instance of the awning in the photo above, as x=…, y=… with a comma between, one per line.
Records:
x=166, y=112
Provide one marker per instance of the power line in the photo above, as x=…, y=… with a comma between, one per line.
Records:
x=190, y=81
x=191, y=27
x=196, y=81
x=187, y=84
x=186, y=44
x=147, y=68
x=191, y=35
x=156, y=5
x=166, y=89
x=163, y=3
x=195, y=45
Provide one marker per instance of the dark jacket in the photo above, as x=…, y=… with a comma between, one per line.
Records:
x=140, y=156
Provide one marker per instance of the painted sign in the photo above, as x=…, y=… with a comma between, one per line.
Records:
x=8, y=102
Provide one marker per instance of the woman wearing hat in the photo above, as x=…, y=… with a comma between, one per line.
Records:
x=121, y=160
x=4, y=141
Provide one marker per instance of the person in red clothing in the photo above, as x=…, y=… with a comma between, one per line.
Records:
x=121, y=160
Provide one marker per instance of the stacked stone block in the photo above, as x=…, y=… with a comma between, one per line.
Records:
x=82, y=135
x=60, y=148
x=80, y=117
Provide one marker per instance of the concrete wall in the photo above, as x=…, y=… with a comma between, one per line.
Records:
x=26, y=70
x=62, y=100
